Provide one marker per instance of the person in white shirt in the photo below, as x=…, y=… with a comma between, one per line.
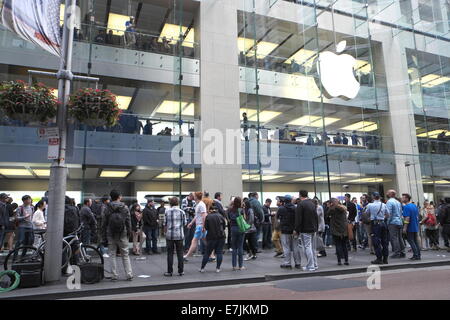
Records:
x=39, y=221
x=199, y=220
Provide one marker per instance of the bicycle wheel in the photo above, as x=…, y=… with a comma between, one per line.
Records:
x=21, y=255
x=90, y=254
x=66, y=253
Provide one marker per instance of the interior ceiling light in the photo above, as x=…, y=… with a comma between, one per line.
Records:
x=175, y=175
x=366, y=180
x=364, y=126
x=114, y=173
x=16, y=172
x=256, y=177
x=433, y=134
x=42, y=172
x=116, y=23
x=363, y=66
x=123, y=102
x=304, y=121
x=318, y=179
x=431, y=80
x=263, y=48
x=264, y=116
x=172, y=33
x=302, y=57
x=173, y=107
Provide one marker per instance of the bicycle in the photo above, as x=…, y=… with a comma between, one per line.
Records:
x=73, y=251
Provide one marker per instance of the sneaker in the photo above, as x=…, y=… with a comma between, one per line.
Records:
x=217, y=270
x=298, y=266
x=130, y=278
x=254, y=257
x=307, y=269
x=248, y=258
x=242, y=268
x=286, y=266
x=181, y=274
x=278, y=254
x=105, y=255
x=202, y=270
x=377, y=261
x=346, y=263
x=167, y=274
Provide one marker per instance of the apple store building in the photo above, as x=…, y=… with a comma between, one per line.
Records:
x=239, y=96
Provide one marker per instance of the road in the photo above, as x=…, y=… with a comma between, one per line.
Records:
x=424, y=284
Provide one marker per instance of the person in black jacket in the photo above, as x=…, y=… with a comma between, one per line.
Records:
x=215, y=238
x=4, y=218
x=444, y=219
x=88, y=220
x=151, y=223
x=286, y=216
x=267, y=225
x=352, y=213
x=306, y=225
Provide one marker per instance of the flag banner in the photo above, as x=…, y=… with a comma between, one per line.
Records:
x=34, y=20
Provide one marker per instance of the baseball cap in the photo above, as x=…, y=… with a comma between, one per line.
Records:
x=4, y=195
x=375, y=194
x=288, y=197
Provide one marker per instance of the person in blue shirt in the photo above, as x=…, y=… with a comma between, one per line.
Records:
x=411, y=227
x=395, y=225
x=380, y=234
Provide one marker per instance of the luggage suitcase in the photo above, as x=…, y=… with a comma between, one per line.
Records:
x=30, y=273
x=91, y=272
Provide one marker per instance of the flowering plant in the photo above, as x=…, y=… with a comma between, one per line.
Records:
x=94, y=107
x=35, y=103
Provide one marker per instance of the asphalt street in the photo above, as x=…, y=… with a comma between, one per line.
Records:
x=424, y=284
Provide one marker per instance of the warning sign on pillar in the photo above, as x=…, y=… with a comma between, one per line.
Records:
x=53, y=148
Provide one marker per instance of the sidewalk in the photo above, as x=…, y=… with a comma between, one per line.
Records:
x=149, y=274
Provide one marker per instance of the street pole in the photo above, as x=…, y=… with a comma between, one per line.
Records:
x=58, y=172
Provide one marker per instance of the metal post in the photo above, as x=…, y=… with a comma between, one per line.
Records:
x=58, y=172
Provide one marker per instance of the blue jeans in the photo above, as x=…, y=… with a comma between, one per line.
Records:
x=412, y=240
x=237, y=244
x=217, y=247
x=151, y=239
x=86, y=236
x=267, y=236
x=380, y=240
x=25, y=237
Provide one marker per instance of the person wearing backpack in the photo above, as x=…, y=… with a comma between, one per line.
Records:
x=237, y=235
x=25, y=224
x=250, y=234
x=395, y=225
x=431, y=227
x=257, y=208
x=116, y=230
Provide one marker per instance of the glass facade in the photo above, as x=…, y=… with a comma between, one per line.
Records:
x=338, y=96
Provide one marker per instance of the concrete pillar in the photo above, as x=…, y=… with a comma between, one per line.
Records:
x=219, y=94
x=401, y=116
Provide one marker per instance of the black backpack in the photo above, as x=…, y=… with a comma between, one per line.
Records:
x=116, y=221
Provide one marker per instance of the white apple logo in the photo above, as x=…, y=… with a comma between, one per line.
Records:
x=336, y=73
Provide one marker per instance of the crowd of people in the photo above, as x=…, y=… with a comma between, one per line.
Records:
x=299, y=229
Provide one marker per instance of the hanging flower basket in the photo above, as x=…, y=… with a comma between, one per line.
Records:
x=19, y=101
x=94, y=107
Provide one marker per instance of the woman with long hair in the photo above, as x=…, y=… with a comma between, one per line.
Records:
x=137, y=229
x=237, y=237
x=250, y=234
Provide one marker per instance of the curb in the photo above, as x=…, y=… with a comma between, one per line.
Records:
x=214, y=283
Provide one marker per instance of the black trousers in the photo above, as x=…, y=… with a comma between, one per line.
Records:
x=251, y=241
x=341, y=248
x=267, y=236
x=173, y=245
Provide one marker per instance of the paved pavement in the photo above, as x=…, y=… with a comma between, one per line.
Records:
x=422, y=284
x=149, y=274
